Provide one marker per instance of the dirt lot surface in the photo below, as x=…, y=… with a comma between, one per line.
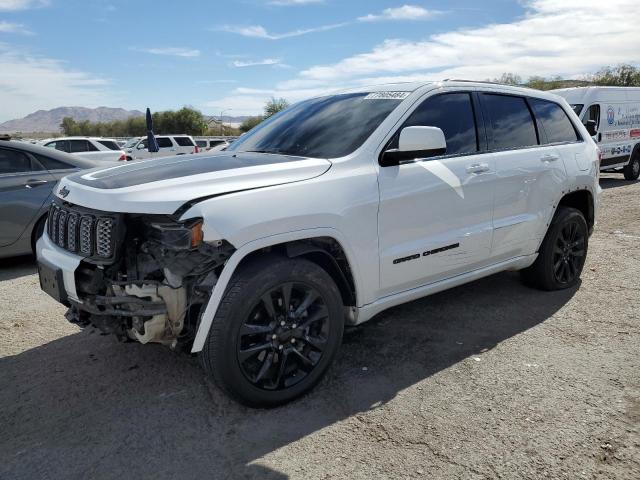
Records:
x=489, y=380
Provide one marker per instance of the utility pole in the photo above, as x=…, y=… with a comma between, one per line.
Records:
x=221, y=124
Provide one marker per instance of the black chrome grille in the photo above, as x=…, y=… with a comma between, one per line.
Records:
x=83, y=232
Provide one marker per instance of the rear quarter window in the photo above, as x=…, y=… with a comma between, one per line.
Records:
x=557, y=126
x=109, y=144
x=511, y=123
x=184, y=141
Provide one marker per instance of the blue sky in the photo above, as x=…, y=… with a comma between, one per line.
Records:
x=234, y=55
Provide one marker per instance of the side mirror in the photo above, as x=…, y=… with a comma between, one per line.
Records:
x=415, y=142
x=591, y=127
x=140, y=146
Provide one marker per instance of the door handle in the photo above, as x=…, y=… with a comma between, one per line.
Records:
x=478, y=168
x=34, y=183
x=549, y=158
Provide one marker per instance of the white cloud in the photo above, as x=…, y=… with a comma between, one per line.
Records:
x=250, y=63
x=30, y=83
x=7, y=27
x=172, y=51
x=258, y=31
x=569, y=38
x=405, y=12
x=12, y=5
x=287, y=3
x=553, y=38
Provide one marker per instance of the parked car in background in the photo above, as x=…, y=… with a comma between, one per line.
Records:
x=169, y=145
x=612, y=116
x=211, y=144
x=334, y=210
x=94, y=148
x=28, y=174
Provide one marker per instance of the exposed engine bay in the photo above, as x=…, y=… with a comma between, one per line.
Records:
x=147, y=280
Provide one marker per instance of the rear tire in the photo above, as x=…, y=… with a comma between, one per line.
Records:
x=562, y=254
x=276, y=331
x=632, y=169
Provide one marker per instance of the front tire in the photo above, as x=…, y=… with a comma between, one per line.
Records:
x=562, y=254
x=276, y=331
x=632, y=169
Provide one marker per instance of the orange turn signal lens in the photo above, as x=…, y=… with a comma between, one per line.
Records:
x=196, y=234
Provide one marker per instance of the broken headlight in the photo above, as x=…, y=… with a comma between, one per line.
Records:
x=177, y=236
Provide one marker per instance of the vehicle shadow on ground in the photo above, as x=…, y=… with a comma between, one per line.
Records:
x=86, y=406
x=617, y=181
x=16, y=267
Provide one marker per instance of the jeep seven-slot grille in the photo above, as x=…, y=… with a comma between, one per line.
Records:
x=86, y=234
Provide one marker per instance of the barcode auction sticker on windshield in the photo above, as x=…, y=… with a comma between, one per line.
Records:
x=387, y=96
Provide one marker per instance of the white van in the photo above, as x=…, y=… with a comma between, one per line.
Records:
x=136, y=148
x=612, y=116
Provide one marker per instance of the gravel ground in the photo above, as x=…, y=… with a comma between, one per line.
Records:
x=489, y=380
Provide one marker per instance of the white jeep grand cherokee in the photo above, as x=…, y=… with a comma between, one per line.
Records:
x=322, y=216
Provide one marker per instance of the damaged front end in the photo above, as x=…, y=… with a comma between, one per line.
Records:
x=143, y=277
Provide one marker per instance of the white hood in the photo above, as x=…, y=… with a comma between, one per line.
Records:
x=164, y=185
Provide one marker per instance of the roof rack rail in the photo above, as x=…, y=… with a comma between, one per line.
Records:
x=475, y=81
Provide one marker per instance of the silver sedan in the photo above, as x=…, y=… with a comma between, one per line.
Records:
x=28, y=174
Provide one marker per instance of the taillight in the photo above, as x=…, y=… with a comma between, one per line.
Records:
x=122, y=158
x=196, y=149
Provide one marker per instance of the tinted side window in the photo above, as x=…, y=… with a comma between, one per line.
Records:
x=201, y=143
x=61, y=145
x=13, y=162
x=109, y=144
x=52, y=164
x=555, y=122
x=453, y=114
x=76, y=146
x=91, y=147
x=164, y=142
x=184, y=141
x=511, y=122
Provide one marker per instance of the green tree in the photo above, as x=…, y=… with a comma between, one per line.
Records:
x=622, y=75
x=69, y=126
x=250, y=122
x=508, y=78
x=274, y=105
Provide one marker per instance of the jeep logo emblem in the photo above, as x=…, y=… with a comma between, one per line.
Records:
x=63, y=192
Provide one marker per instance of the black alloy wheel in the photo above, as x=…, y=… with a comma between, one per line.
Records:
x=276, y=332
x=569, y=253
x=284, y=337
x=562, y=254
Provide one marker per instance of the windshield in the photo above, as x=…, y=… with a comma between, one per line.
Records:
x=131, y=142
x=327, y=127
x=577, y=107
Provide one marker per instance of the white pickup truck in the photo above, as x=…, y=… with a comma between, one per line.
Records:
x=326, y=214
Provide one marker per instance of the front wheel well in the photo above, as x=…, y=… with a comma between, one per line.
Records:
x=326, y=252
x=580, y=200
x=38, y=229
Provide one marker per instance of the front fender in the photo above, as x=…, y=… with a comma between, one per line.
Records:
x=237, y=257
